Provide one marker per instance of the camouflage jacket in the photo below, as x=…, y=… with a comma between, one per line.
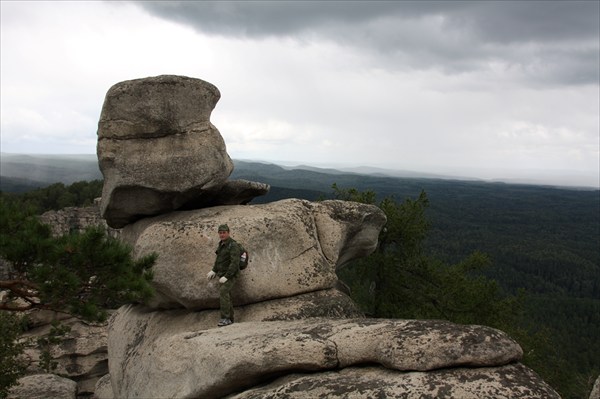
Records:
x=227, y=262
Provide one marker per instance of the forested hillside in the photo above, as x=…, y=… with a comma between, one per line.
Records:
x=543, y=242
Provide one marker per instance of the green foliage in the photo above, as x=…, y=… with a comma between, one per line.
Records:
x=352, y=194
x=82, y=274
x=12, y=365
x=58, y=196
x=547, y=341
x=46, y=342
x=89, y=272
x=400, y=280
x=542, y=354
x=23, y=239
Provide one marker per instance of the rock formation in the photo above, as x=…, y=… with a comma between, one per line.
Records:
x=295, y=248
x=158, y=150
x=510, y=381
x=44, y=386
x=296, y=335
x=81, y=355
x=251, y=353
x=75, y=219
x=595, y=394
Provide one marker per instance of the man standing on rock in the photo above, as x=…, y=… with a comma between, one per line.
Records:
x=227, y=267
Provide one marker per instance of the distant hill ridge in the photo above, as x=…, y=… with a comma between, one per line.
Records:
x=24, y=172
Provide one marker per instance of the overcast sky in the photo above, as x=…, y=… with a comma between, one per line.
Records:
x=483, y=89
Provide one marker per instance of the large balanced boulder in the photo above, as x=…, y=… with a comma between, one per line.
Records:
x=295, y=247
x=157, y=148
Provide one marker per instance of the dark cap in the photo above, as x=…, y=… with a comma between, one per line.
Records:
x=223, y=227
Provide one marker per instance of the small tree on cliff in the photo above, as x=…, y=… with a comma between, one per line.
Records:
x=399, y=280
x=80, y=274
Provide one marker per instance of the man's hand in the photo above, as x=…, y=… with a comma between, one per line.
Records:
x=211, y=275
x=223, y=280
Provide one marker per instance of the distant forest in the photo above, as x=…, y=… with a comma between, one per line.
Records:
x=544, y=242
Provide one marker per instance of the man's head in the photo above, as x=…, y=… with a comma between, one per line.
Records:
x=223, y=232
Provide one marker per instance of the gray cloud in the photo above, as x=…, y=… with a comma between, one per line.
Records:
x=500, y=21
x=540, y=21
x=538, y=42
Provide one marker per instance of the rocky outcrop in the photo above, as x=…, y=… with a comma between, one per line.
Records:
x=103, y=388
x=158, y=150
x=510, y=381
x=211, y=363
x=295, y=334
x=595, y=394
x=233, y=192
x=295, y=247
x=81, y=355
x=289, y=317
x=76, y=219
x=44, y=386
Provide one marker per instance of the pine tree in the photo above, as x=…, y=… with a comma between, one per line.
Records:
x=82, y=274
x=12, y=365
x=399, y=280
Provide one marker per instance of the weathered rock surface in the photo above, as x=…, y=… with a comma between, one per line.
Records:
x=233, y=192
x=131, y=321
x=44, y=386
x=157, y=148
x=81, y=356
x=511, y=381
x=132, y=324
x=103, y=389
x=76, y=219
x=295, y=247
x=595, y=394
x=210, y=363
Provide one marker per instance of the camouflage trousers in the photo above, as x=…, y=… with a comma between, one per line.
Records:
x=225, y=299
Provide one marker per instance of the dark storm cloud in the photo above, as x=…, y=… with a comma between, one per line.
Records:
x=548, y=42
x=267, y=18
x=518, y=21
x=498, y=21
